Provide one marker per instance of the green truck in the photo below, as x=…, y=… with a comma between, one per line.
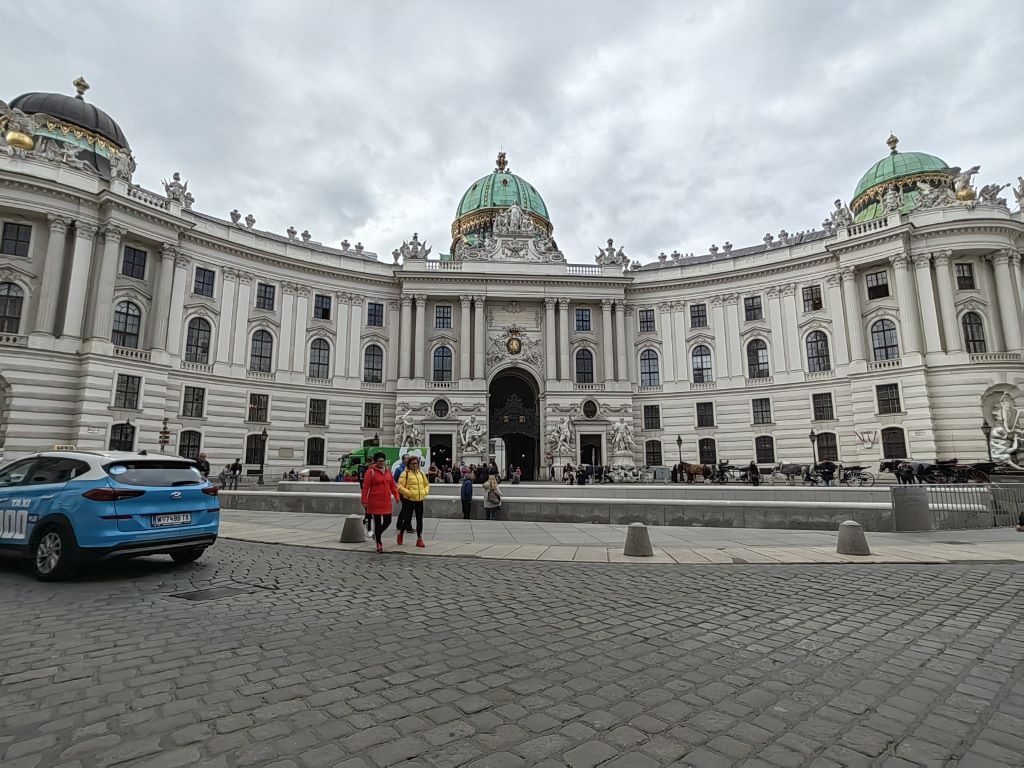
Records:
x=352, y=462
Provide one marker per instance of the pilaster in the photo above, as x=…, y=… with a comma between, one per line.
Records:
x=103, y=310
x=53, y=268
x=78, y=281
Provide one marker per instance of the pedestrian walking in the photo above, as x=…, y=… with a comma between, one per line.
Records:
x=413, y=487
x=466, y=494
x=223, y=476
x=401, y=467
x=379, y=488
x=492, y=497
x=236, y=473
x=367, y=517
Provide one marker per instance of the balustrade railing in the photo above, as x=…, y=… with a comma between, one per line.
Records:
x=196, y=367
x=133, y=354
x=442, y=384
x=259, y=375
x=149, y=198
x=13, y=340
x=994, y=357
x=592, y=387
x=588, y=270
x=881, y=365
x=868, y=226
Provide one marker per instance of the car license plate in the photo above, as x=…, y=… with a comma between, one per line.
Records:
x=183, y=518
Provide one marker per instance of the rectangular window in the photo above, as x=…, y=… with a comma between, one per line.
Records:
x=371, y=415
x=133, y=263
x=647, y=321
x=265, y=296
x=321, y=307
x=752, y=308
x=15, y=239
x=193, y=402
x=582, y=319
x=315, y=451
x=764, y=449
x=812, y=298
x=318, y=412
x=888, y=398
x=965, y=277
x=699, y=316
x=652, y=417
x=705, y=414
x=878, y=285
x=375, y=314
x=126, y=394
x=203, y=285
x=821, y=404
x=762, y=407
x=828, y=448
x=652, y=453
x=443, y=316
x=259, y=407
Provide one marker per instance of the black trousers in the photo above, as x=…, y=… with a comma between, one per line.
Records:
x=466, y=506
x=410, y=508
x=380, y=524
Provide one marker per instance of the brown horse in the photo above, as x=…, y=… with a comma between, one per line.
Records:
x=706, y=471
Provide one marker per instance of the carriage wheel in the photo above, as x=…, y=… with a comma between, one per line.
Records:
x=853, y=480
x=935, y=477
x=866, y=479
x=976, y=476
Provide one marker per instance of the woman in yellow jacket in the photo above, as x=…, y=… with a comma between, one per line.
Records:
x=414, y=488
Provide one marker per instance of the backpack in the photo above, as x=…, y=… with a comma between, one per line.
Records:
x=493, y=497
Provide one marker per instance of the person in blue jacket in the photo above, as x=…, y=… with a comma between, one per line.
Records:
x=466, y=493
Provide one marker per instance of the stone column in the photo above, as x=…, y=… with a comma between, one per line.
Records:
x=240, y=347
x=479, y=335
x=465, y=339
x=1018, y=285
x=630, y=350
x=341, y=334
x=420, y=348
x=947, y=305
x=53, y=268
x=227, y=309
x=405, y=339
x=722, y=368
x=301, y=326
x=161, y=315
x=287, y=335
x=355, y=330
x=103, y=310
x=790, y=332
x=911, y=330
x=1004, y=295
x=550, y=352
x=392, y=354
x=668, y=352
x=607, y=342
x=564, y=363
x=679, y=339
x=620, y=341
x=926, y=301
x=840, y=335
x=854, y=321
x=778, y=338
x=737, y=355
x=78, y=281
x=182, y=269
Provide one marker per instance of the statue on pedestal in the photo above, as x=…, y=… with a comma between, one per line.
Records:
x=471, y=436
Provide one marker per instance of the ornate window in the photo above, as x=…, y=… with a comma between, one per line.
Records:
x=127, y=319
x=884, y=344
x=189, y=441
x=255, y=448
x=441, y=408
x=320, y=359
x=894, y=443
x=373, y=364
x=122, y=437
x=315, y=451
x=442, y=364
x=12, y=298
x=974, y=332
x=827, y=446
x=702, y=372
x=650, y=375
x=584, y=366
x=965, y=277
x=582, y=319
x=818, y=358
x=764, y=448
x=443, y=316
x=261, y=356
x=707, y=453
x=652, y=453
x=197, y=341
x=878, y=285
x=757, y=360
x=133, y=263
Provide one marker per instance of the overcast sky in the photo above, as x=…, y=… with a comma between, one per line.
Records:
x=665, y=125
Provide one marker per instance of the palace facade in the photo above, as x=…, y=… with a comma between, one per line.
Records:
x=890, y=331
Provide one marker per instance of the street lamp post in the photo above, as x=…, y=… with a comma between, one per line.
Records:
x=165, y=435
x=679, y=445
x=986, y=430
x=814, y=446
x=263, y=454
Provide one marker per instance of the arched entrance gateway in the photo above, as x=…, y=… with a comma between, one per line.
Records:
x=513, y=406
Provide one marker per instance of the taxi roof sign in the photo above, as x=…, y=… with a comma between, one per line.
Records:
x=65, y=448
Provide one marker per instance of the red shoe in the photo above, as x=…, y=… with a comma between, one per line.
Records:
x=420, y=544
x=401, y=537
x=380, y=548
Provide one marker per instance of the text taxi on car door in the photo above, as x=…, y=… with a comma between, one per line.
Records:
x=62, y=507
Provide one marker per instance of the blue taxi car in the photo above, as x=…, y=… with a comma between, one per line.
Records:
x=60, y=508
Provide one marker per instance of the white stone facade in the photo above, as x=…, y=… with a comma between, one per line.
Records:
x=944, y=269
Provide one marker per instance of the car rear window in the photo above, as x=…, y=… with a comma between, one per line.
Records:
x=154, y=472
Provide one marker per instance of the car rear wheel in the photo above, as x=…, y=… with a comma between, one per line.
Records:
x=185, y=556
x=53, y=554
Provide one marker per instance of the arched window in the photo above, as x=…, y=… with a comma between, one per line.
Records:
x=319, y=359
x=127, y=319
x=827, y=446
x=764, y=448
x=652, y=453
x=197, y=341
x=584, y=366
x=255, y=446
x=11, y=300
x=894, y=443
x=122, y=437
x=649, y=373
x=261, y=356
x=884, y=344
x=373, y=364
x=974, y=332
x=189, y=441
x=702, y=372
x=707, y=453
x=442, y=364
x=315, y=451
x=817, y=352
x=757, y=360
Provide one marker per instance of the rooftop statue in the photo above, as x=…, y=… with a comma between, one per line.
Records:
x=21, y=127
x=411, y=249
x=513, y=221
x=1018, y=192
x=840, y=217
x=122, y=165
x=892, y=200
x=962, y=182
x=990, y=194
x=174, y=189
x=933, y=197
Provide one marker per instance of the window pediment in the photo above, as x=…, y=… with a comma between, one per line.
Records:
x=697, y=339
x=815, y=324
x=263, y=322
x=971, y=304
x=131, y=293
x=201, y=309
x=373, y=334
x=762, y=331
x=9, y=273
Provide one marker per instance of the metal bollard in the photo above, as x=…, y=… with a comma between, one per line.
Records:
x=638, y=541
x=353, y=532
x=851, y=539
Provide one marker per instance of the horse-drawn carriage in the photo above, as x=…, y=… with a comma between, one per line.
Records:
x=823, y=473
x=720, y=473
x=908, y=471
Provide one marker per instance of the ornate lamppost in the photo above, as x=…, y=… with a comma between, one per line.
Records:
x=679, y=445
x=986, y=430
x=814, y=446
x=263, y=453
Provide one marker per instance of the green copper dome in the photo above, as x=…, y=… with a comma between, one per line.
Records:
x=502, y=189
x=903, y=168
x=896, y=166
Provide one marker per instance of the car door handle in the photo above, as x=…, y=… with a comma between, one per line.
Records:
x=47, y=498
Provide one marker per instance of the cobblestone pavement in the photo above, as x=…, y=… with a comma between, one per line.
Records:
x=330, y=658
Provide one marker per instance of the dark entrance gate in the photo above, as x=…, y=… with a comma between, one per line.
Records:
x=514, y=419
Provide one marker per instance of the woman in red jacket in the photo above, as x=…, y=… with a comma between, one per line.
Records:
x=379, y=488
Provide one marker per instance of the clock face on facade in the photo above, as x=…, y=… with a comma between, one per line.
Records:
x=514, y=346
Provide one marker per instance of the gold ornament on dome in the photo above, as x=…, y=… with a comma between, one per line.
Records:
x=966, y=194
x=19, y=140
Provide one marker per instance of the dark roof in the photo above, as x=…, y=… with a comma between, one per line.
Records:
x=70, y=109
